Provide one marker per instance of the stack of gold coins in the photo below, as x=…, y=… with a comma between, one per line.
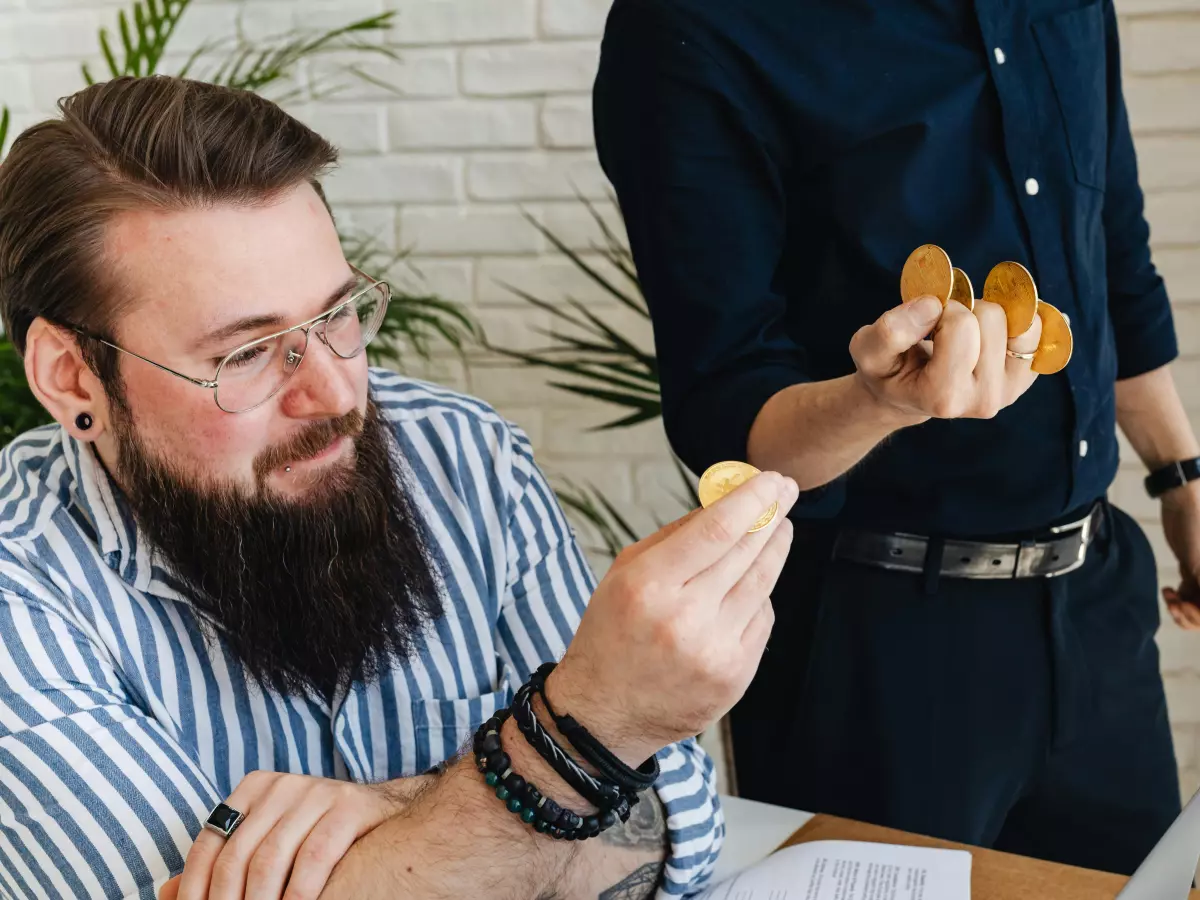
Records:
x=928, y=271
x=721, y=478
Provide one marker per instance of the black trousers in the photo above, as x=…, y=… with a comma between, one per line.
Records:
x=1026, y=715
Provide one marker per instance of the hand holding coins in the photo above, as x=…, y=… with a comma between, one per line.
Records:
x=928, y=272
x=686, y=612
x=721, y=478
x=973, y=367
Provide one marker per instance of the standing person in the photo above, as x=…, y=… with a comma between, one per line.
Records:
x=965, y=630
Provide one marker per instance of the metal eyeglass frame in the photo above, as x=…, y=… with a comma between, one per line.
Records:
x=305, y=326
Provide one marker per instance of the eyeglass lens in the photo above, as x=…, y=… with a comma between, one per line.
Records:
x=253, y=374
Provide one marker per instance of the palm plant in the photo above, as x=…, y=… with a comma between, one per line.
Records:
x=602, y=363
x=593, y=358
x=415, y=322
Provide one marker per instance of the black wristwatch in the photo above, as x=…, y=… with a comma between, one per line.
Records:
x=1172, y=475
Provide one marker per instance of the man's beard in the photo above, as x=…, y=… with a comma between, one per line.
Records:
x=316, y=592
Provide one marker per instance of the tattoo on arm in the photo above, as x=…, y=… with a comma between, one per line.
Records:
x=638, y=885
x=646, y=830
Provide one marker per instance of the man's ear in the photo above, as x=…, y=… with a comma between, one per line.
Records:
x=63, y=382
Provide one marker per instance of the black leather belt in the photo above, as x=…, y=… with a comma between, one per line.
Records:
x=1064, y=551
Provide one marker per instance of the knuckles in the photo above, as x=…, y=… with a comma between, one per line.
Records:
x=625, y=556
x=637, y=591
x=991, y=316
x=318, y=849
x=269, y=858
x=947, y=402
x=260, y=778
x=228, y=867
x=716, y=531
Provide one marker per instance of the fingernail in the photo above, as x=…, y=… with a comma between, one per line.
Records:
x=927, y=309
x=791, y=490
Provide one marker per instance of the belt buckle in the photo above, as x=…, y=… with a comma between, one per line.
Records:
x=1085, y=529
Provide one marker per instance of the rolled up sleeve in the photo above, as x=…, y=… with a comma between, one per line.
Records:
x=698, y=176
x=1138, y=305
x=549, y=585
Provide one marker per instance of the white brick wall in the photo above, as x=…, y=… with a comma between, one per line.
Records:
x=490, y=119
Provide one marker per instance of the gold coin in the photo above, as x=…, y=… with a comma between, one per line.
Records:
x=1011, y=285
x=961, y=290
x=926, y=271
x=721, y=478
x=1054, y=348
x=765, y=519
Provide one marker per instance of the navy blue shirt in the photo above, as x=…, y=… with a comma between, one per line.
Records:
x=775, y=164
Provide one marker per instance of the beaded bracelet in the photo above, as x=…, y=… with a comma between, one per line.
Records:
x=526, y=801
x=607, y=763
x=596, y=792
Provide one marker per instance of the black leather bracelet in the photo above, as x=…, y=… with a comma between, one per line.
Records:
x=523, y=799
x=1173, y=475
x=604, y=795
x=607, y=763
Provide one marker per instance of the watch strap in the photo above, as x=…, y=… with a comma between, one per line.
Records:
x=1172, y=475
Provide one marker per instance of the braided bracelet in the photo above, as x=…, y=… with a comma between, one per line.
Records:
x=595, y=791
x=607, y=763
x=525, y=800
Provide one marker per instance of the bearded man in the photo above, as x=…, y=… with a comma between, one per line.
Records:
x=255, y=596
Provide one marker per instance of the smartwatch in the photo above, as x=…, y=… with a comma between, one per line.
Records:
x=1172, y=475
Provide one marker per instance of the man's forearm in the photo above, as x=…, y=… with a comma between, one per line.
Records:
x=457, y=840
x=817, y=431
x=1154, y=420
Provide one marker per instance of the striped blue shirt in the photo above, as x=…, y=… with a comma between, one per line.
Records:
x=121, y=727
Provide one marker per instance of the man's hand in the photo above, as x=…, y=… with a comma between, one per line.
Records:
x=962, y=373
x=675, y=631
x=297, y=828
x=1181, y=525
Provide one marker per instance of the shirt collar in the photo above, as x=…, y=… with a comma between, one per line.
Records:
x=106, y=508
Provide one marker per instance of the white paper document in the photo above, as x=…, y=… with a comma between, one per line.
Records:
x=851, y=870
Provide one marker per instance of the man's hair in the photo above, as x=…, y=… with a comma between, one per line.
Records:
x=156, y=142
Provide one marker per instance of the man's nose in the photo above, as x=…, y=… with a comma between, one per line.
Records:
x=322, y=385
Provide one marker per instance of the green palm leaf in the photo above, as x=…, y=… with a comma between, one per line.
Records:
x=5, y=121
x=617, y=254
x=415, y=323
x=691, y=500
x=644, y=411
x=589, y=505
x=143, y=43
x=635, y=303
x=19, y=409
x=253, y=67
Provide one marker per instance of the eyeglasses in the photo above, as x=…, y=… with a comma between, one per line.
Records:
x=253, y=373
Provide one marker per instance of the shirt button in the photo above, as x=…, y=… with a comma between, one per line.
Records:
x=1000, y=57
x=1031, y=186
x=1083, y=448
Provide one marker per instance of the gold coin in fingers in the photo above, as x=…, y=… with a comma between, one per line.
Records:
x=926, y=271
x=1054, y=348
x=961, y=290
x=1011, y=286
x=721, y=478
